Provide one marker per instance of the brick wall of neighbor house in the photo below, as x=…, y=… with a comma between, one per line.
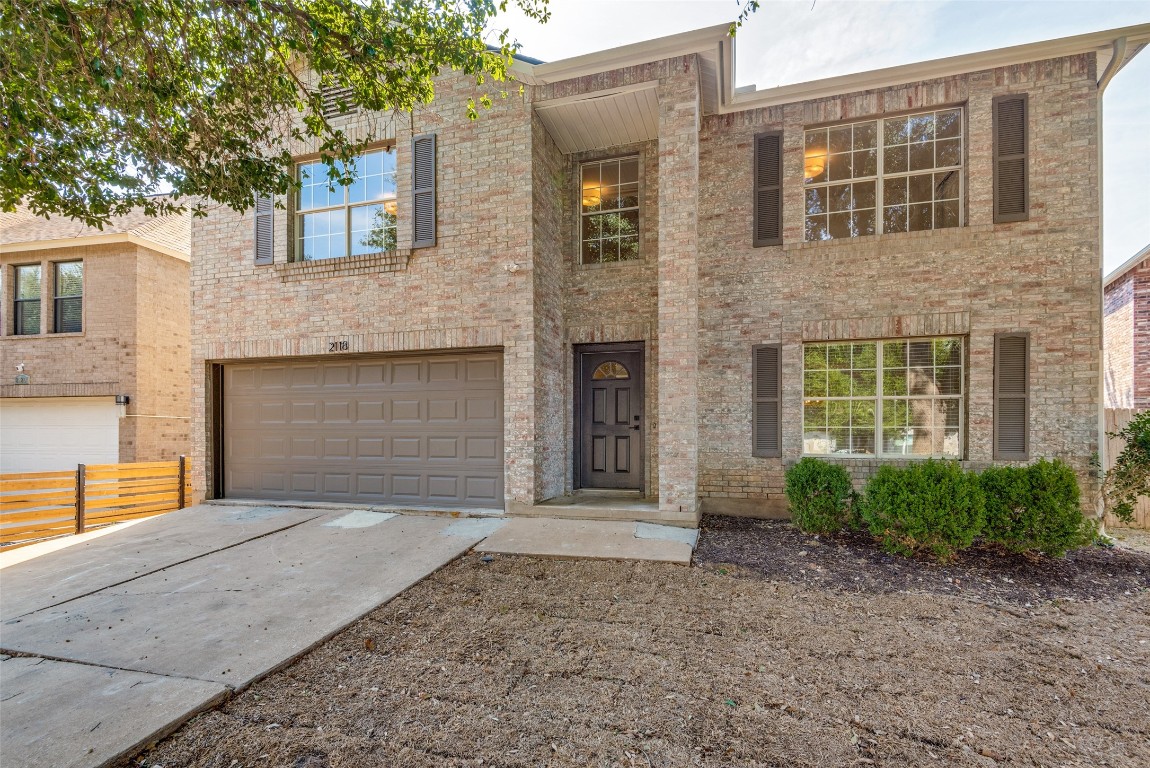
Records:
x=163, y=389
x=1118, y=330
x=134, y=341
x=974, y=280
x=102, y=358
x=1141, y=332
x=459, y=294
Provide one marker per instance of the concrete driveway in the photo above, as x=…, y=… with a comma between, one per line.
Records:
x=124, y=637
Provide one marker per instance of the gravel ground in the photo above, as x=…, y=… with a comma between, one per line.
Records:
x=522, y=662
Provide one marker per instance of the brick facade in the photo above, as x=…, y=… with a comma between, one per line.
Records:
x=506, y=273
x=135, y=341
x=1127, y=332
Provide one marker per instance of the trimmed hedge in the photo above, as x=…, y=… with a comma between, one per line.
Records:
x=930, y=505
x=1035, y=508
x=820, y=496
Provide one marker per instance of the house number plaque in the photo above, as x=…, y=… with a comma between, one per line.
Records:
x=338, y=345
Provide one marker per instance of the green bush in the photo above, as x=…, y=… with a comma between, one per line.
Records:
x=820, y=496
x=929, y=506
x=1129, y=478
x=1035, y=508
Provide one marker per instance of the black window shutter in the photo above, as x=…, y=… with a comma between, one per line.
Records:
x=265, y=229
x=768, y=221
x=423, y=190
x=1012, y=396
x=766, y=431
x=1011, y=158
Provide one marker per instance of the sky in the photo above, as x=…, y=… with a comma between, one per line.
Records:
x=777, y=46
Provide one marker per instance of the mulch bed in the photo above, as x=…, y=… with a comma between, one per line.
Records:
x=854, y=562
x=746, y=661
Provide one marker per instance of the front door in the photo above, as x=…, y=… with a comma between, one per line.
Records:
x=609, y=418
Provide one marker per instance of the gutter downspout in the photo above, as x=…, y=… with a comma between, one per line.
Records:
x=1116, y=61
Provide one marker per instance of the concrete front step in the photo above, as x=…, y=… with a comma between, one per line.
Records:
x=592, y=539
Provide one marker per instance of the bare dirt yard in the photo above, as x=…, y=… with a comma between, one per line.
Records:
x=777, y=650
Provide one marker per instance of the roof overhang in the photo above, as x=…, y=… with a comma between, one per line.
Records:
x=1130, y=264
x=106, y=239
x=583, y=115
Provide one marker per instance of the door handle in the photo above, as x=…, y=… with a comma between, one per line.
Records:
x=636, y=427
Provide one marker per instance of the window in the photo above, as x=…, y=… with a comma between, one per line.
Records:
x=69, y=309
x=896, y=174
x=885, y=398
x=609, y=226
x=27, y=300
x=334, y=220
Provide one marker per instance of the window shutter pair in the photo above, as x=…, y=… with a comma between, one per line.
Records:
x=1012, y=396
x=1011, y=158
x=766, y=378
x=423, y=213
x=768, y=189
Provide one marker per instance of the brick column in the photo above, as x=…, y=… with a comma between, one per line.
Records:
x=678, y=356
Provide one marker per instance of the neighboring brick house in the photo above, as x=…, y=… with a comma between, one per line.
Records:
x=1127, y=332
x=636, y=279
x=91, y=316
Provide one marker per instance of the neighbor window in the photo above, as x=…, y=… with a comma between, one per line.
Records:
x=609, y=226
x=333, y=220
x=895, y=174
x=69, y=309
x=883, y=398
x=26, y=302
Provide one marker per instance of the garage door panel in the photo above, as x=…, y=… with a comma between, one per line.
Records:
x=50, y=434
x=423, y=430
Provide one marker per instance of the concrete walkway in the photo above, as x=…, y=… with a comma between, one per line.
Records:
x=124, y=637
x=113, y=642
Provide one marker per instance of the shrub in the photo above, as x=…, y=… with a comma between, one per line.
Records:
x=1129, y=478
x=931, y=505
x=820, y=496
x=1035, y=508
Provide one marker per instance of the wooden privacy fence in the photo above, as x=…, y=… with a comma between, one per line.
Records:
x=39, y=505
x=1116, y=419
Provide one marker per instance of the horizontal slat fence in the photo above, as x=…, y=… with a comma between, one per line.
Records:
x=40, y=505
x=1116, y=419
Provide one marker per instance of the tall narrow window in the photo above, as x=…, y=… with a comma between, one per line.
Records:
x=335, y=221
x=609, y=226
x=26, y=302
x=69, y=309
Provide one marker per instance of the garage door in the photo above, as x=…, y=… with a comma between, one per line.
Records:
x=48, y=434
x=414, y=430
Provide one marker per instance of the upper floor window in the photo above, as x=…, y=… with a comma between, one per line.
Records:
x=895, y=174
x=894, y=398
x=26, y=302
x=333, y=220
x=69, y=299
x=609, y=222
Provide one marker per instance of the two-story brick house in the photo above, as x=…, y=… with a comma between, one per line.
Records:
x=94, y=344
x=643, y=293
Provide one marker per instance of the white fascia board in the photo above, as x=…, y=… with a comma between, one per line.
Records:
x=1094, y=42
x=696, y=41
x=80, y=242
x=1130, y=263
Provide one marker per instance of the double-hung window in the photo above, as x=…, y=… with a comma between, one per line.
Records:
x=609, y=219
x=895, y=398
x=26, y=301
x=894, y=174
x=69, y=297
x=334, y=221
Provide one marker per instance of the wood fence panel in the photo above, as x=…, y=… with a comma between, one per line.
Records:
x=1116, y=419
x=39, y=505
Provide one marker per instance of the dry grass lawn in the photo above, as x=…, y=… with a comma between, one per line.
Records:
x=523, y=662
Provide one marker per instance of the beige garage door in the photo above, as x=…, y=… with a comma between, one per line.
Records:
x=413, y=430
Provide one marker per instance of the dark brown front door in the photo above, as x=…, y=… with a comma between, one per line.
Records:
x=610, y=417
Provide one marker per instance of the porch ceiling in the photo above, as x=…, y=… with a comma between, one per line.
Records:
x=603, y=118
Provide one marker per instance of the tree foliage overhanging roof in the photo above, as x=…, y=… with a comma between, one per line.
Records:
x=104, y=103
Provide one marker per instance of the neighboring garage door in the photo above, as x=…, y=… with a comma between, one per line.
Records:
x=48, y=434
x=422, y=430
